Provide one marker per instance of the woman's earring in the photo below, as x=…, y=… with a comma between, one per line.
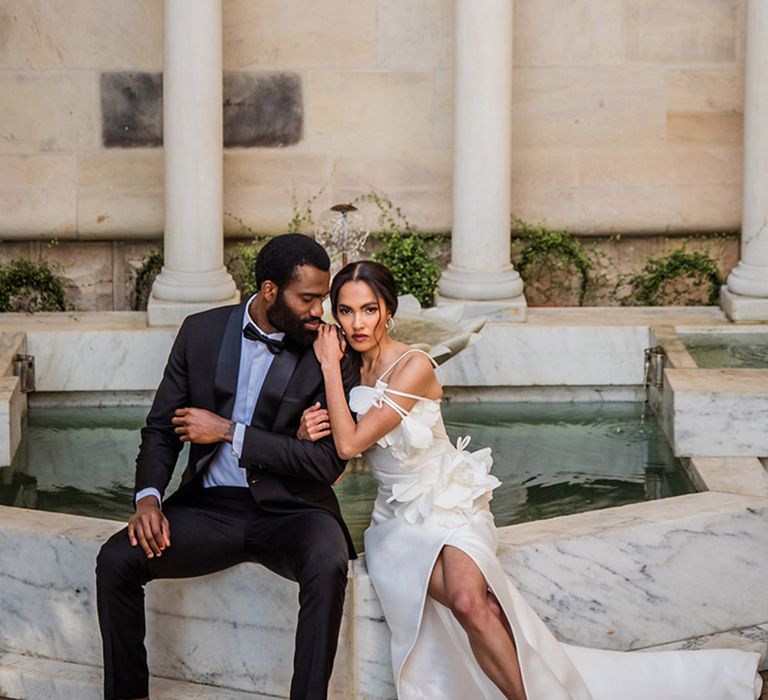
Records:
x=390, y=324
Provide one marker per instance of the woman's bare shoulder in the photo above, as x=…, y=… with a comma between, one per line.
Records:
x=415, y=374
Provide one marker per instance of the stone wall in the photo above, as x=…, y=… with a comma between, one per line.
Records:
x=627, y=113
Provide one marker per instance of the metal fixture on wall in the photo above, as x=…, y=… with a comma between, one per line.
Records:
x=24, y=369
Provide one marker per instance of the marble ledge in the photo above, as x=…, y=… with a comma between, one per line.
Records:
x=525, y=355
x=627, y=316
x=602, y=580
x=675, y=351
x=31, y=678
x=622, y=518
x=716, y=412
x=753, y=638
x=738, y=475
x=73, y=320
x=719, y=382
x=11, y=344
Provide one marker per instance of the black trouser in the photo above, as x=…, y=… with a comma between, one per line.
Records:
x=212, y=529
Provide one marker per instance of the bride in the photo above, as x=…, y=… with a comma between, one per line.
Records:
x=460, y=629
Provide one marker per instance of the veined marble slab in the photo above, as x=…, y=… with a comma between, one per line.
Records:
x=233, y=629
x=13, y=404
x=744, y=475
x=645, y=574
x=99, y=359
x=753, y=638
x=622, y=578
x=522, y=355
x=716, y=412
x=13, y=407
x=31, y=678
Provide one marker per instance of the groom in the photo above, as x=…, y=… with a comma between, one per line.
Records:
x=236, y=383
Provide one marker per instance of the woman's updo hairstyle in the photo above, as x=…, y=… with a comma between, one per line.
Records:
x=375, y=275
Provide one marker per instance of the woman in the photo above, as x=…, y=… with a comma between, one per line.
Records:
x=460, y=629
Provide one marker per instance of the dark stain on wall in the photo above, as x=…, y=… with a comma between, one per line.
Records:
x=262, y=109
x=131, y=109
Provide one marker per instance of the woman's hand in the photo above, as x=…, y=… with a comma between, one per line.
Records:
x=315, y=424
x=329, y=344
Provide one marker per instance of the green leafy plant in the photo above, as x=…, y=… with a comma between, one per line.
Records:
x=405, y=251
x=682, y=277
x=302, y=213
x=143, y=279
x=30, y=287
x=242, y=265
x=553, y=264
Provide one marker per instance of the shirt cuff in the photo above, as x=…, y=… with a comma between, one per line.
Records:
x=150, y=491
x=237, y=439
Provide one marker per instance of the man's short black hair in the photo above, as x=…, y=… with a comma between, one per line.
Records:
x=278, y=259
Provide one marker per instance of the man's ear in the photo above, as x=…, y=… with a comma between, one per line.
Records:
x=269, y=291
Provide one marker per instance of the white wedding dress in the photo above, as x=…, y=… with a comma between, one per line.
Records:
x=432, y=494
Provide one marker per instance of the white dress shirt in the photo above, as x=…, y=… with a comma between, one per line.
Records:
x=255, y=361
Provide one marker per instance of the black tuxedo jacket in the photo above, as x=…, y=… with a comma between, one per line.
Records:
x=285, y=474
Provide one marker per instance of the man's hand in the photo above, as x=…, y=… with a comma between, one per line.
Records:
x=202, y=427
x=149, y=528
x=315, y=423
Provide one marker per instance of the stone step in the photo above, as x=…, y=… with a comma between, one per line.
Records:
x=31, y=678
x=716, y=412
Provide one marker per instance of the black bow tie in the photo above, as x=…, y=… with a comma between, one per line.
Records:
x=273, y=345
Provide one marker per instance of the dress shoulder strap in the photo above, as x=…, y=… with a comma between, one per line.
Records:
x=407, y=352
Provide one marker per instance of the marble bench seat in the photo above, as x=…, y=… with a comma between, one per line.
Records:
x=637, y=577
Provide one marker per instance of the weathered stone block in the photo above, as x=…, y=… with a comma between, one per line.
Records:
x=657, y=166
x=262, y=109
x=715, y=89
x=648, y=209
x=546, y=168
x=121, y=194
x=557, y=33
x=106, y=35
x=131, y=109
x=415, y=34
x=281, y=34
x=87, y=268
x=706, y=128
x=574, y=108
x=442, y=114
x=691, y=31
x=260, y=186
x=369, y=113
x=38, y=196
x=48, y=112
x=420, y=186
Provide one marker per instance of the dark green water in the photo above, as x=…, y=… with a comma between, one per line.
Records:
x=553, y=459
x=728, y=350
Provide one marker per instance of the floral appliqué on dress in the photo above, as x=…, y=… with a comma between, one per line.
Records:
x=450, y=485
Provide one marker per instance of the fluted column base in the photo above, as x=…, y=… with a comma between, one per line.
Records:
x=740, y=308
x=484, y=292
x=176, y=294
x=172, y=313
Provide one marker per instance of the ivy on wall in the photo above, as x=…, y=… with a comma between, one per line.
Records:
x=30, y=287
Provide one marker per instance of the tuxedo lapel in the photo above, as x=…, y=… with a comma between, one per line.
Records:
x=280, y=373
x=228, y=363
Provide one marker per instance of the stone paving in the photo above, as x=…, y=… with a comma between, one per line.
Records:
x=764, y=695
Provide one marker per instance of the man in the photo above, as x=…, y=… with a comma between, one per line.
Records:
x=235, y=386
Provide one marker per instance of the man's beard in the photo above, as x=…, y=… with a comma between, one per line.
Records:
x=284, y=319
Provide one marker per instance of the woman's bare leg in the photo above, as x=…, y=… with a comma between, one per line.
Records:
x=459, y=584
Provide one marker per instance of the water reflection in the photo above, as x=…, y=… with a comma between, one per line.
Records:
x=732, y=350
x=553, y=459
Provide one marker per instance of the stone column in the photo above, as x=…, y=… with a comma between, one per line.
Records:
x=193, y=277
x=480, y=273
x=745, y=297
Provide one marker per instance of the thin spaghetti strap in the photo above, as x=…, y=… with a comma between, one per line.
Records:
x=407, y=352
